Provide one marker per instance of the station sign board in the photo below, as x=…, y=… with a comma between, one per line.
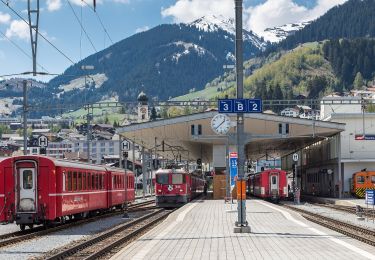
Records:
x=42, y=141
x=125, y=146
x=365, y=137
x=240, y=106
x=233, y=169
x=370, y=197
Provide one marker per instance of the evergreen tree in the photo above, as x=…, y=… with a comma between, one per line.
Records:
x=277, y=93
x=358, y=81
x=153, y=114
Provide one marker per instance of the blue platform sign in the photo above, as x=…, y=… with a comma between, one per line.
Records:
x=255, y=106
x=226, y=106
x=240, y=106
x=233, y=167
x=370, y=197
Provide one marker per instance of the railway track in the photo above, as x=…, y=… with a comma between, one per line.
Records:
x=106, y=242
x=19, y=236
x=365, y=235
x=347, y=209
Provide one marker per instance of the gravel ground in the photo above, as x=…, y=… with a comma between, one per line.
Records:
x=335, y=214
x=9, y=228
x=38, y=246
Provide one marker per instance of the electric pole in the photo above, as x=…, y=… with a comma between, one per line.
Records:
x=33, y=13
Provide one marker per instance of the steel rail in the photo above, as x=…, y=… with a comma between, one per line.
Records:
x=362, y=234
x=19, y=236
x=80, y=251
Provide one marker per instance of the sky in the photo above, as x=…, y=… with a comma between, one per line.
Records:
x=60, y=20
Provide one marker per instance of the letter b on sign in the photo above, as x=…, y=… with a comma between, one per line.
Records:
x=240, y=106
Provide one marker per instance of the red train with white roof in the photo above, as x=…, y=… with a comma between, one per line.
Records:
x=43, y=190
x=175, y=187
x=269, y=184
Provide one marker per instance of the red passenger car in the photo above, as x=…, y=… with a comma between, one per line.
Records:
x=42, y=190
x=175, y=187
x=269, y=184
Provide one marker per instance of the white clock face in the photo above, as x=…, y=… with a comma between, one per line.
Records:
x=220, y=124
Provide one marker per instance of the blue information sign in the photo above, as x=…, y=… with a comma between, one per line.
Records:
x=370, y=197
x=233, y=167
x=240, y=106
x=254, y=106
x=225, y=106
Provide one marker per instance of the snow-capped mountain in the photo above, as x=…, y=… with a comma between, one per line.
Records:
x=279, y=33
x=213, y=23
x=166, y=61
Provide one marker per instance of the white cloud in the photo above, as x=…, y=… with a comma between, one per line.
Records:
x=18, y=28
x=142, y=29
x=53, y=5
x=257, y=18
x=279, y=12
x=189, y=10
x=4, y=18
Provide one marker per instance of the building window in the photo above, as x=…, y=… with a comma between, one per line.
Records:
x=111, y=144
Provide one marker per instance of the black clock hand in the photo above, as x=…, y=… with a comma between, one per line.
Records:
x=220, y=124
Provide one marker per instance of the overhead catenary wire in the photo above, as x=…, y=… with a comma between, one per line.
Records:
x=82, y=28
x=22, y=50
x=40, y=34
x=100, y=20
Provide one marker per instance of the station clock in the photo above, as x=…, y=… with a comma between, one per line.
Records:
x=220, y=124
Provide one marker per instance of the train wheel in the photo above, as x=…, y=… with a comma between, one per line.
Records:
x=22, y=227
x=31, y=226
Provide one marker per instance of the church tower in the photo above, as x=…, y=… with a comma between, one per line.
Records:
x=143, y=113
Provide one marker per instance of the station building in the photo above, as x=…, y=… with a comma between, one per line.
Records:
x=354, y=148
x=191, y=138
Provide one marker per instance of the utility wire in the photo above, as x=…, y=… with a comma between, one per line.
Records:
x=82, y=28
x=100, y=20
x=41, y=35
x=20, y=49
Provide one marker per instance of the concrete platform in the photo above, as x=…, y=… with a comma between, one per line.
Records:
x=204, y=230
x=350, y=202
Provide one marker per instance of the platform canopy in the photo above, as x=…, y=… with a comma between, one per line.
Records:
x=262, y=135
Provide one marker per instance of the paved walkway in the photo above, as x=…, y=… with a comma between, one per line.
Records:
x=204, y=230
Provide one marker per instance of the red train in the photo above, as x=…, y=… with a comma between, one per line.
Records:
x=43, y=190
x=175, y=187
x=269, y=184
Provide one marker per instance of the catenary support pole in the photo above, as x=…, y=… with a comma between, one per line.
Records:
x=144, y=172
x=25, y=110
x=241, y=223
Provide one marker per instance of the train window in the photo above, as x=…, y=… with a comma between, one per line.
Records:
x=97, y=181
x=69, y=182
x=162, y=178
x=27, y=179
x=373, y=179
x=79, y=186
x=93, y=181
x=89, y=181
x=273, y=180
x=101, y=181
x=74, y=181
x=84, y=181
x=177, y=178
x=360, y=179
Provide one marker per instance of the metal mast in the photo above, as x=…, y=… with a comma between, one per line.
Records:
x=33, y=15
x=242, y=225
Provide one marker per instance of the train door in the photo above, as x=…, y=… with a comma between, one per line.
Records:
x=27, y=190
x=274, y=184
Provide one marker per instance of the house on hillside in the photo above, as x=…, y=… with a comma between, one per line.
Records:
x=290, y=111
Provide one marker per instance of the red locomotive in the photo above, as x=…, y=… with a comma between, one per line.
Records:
x=43, y=190
x=269, y=184
x=175, y=187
